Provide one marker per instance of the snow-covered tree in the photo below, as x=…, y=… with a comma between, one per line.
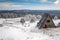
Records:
x=55, y=17
x=38, y=17
x=32, y=20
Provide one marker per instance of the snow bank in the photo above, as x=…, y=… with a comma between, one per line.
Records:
x=56, y=22
x=17, y=34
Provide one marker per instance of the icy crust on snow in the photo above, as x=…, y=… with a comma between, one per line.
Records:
x=14, y=30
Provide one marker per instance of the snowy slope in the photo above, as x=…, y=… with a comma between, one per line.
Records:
x=14, y=30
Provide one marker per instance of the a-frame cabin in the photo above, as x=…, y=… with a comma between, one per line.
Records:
x=46, y=22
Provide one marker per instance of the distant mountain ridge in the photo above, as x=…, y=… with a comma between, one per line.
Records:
x=29, y=11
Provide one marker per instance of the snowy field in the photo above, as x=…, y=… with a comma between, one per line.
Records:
x=12, y=29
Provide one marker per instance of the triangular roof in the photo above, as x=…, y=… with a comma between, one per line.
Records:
x=44, y=17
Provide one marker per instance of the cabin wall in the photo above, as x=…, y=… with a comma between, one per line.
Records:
x=48, y=23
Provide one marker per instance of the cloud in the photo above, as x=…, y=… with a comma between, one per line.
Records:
x=52, y=7
x=6, y=4
x=13, y=6
x=10, y=6
x=43, y=0
x=57, y=2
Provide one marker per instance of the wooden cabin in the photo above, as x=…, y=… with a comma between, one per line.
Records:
x=46, y=22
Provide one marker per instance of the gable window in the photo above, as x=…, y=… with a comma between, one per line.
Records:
x=48, y=21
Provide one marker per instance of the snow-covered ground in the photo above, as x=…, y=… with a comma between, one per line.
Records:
x=12, y=29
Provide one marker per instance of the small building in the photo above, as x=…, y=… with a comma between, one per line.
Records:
x=46, y=22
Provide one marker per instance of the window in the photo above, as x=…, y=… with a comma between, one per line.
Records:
x=48, y=21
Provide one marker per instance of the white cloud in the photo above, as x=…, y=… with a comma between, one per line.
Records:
x=12, y=6
x=54, y=7
x=43, y=0
x=57, y=2
x=6, y=4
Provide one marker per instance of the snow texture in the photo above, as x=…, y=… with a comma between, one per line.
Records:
x=12, y=29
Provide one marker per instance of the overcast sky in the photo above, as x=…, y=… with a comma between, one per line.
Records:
x=30, y=4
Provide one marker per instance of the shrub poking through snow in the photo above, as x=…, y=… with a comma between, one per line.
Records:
x=1, y=25
x=22, y=21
